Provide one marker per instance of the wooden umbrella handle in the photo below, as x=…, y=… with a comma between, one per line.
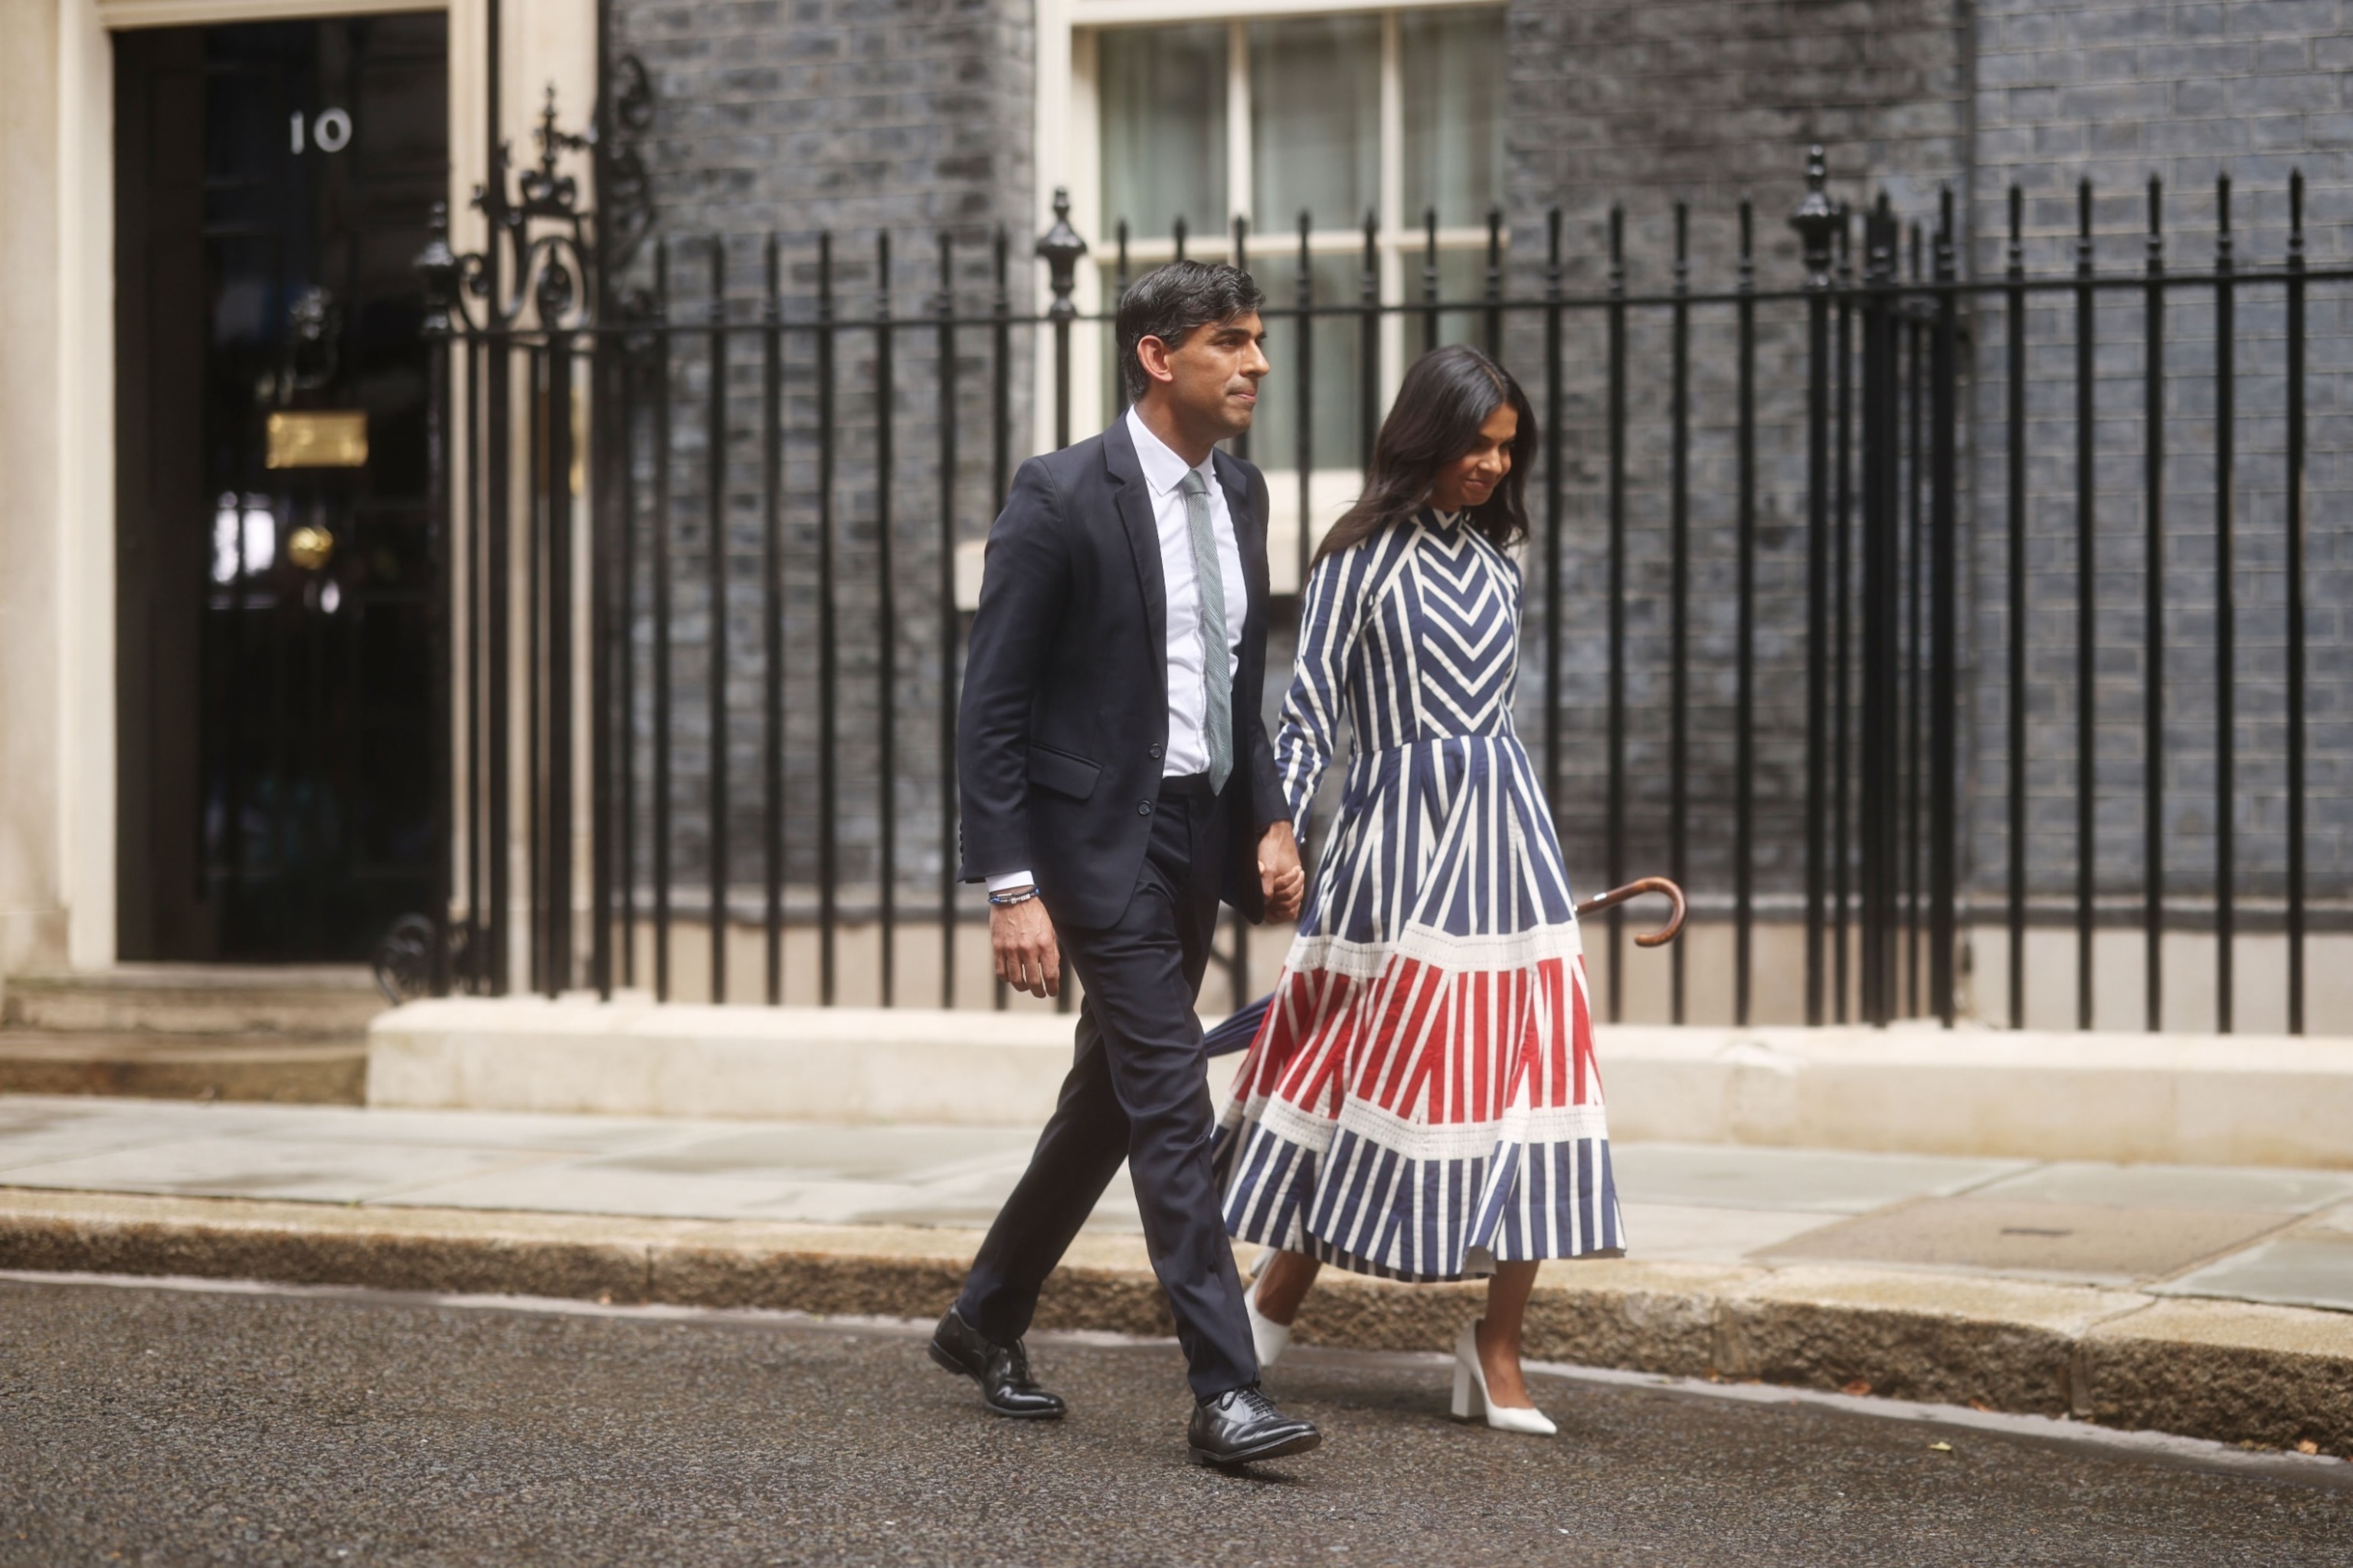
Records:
x=1617, y=895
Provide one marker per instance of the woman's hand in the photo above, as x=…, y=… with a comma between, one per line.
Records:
x=1280, y=875
x=1027, y=958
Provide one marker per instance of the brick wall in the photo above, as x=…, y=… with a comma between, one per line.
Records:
x=848, y=114
x=2118, y=92
x=856, y=118
x=1707, y=103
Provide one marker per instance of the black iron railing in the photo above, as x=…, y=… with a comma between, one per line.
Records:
x=1784, y=637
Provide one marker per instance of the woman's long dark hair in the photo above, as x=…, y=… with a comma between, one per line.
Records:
x=1448, y=395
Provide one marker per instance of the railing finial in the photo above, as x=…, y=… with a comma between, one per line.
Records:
x=1818, y=218
x=1062, y=247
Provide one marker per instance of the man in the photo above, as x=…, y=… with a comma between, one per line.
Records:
x=1116, y=782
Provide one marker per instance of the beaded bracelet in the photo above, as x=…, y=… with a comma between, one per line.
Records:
x=1011, y=896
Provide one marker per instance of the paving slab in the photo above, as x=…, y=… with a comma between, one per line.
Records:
x=1696, y=1233
x=263, y=1167
x=1696, y=1204
x=580, y=1187
x=2173, y=1186
x=954, y=1176
x=1817, y=1180
x=43, y=1131
x=897, y=1154
x=574, y=1135
x=2088, y=1243
x=2309, y=1267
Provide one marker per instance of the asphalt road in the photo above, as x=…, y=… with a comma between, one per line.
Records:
x=157, y=1425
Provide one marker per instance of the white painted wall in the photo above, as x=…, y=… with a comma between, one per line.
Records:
x=33, y=892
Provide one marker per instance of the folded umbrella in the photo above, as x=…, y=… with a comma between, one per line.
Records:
x=1238, y=1030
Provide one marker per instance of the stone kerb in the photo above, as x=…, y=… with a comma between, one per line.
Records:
x=2240, y=1372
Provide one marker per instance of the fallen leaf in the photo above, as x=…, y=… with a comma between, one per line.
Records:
x=1940, y=1447
x=2308, y=1446
x=1858, y=1388
x=1982, y=1407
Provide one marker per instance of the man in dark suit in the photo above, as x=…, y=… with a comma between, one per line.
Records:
x=1116, y=782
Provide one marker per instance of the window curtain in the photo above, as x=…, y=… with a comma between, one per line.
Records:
x=1451, y=63
x=1161, y=93
x=1316, y=120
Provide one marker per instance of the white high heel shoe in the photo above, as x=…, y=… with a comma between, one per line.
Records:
x=1267, y=1336
x=1471, y=1393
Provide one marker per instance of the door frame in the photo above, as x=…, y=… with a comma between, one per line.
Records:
x=545, y=43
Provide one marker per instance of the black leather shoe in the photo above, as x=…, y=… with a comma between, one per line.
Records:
x=1002, y=1371
x=1238, y=1427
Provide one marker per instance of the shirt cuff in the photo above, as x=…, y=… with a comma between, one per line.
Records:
x=1011, y=879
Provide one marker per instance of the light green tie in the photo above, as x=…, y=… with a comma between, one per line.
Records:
x=1211, y=578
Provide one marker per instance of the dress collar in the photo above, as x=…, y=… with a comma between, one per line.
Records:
x=1164, y=471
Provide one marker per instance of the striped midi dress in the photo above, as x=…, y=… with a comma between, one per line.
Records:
x=1421, y=1102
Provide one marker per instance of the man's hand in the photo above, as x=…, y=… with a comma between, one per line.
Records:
x=1027, y=958
x=1279, y=876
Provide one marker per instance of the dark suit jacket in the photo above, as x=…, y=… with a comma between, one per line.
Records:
x=1065, y=713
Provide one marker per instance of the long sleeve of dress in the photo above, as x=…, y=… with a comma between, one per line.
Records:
x=1317, y=701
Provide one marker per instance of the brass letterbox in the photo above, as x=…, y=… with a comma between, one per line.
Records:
x=304, y=438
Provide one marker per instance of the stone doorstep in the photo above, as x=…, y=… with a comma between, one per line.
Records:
x=316, y=1001
x=254, y=1068
x=285, y=1034
x=2226, y=1370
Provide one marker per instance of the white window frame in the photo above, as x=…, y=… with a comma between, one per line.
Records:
x=1068, y=155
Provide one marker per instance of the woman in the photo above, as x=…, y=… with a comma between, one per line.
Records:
x=1421, y=1102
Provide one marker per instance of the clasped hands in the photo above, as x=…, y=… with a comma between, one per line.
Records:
x=1022, y=935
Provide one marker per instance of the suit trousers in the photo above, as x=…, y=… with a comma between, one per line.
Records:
x=1136, y=1091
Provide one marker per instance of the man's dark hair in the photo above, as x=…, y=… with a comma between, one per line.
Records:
x=1170, y=303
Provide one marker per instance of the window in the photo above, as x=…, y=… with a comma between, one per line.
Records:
x=1178, y=129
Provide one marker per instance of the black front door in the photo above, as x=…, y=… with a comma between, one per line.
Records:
x=273, y=186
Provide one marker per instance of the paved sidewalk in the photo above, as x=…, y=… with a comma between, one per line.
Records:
x=2257, y=1234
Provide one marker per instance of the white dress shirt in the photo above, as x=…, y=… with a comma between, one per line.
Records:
x=1187, y=750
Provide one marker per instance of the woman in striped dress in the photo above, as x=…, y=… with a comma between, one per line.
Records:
x=1421, y=1102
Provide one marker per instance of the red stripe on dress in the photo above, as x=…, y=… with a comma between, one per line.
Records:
x=1591, y=1062
x=1582, y=1031
x=1310, y=1076
x=1558, y=1079
x=1406, y=994
x=1428, y=1043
